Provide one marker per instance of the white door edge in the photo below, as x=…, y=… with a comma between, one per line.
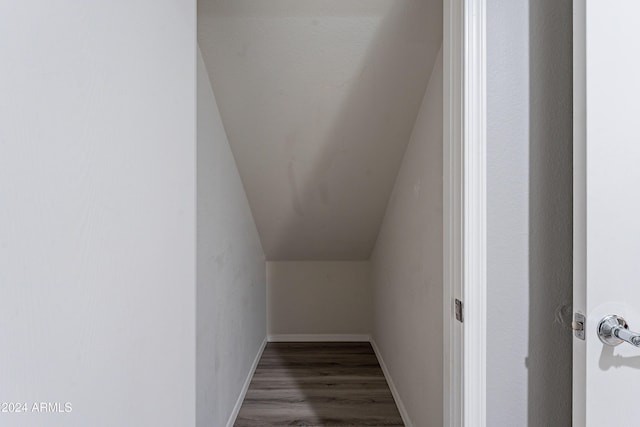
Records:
x=464, y=240
x=579, y=207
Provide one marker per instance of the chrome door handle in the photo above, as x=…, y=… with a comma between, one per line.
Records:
x=613, y=330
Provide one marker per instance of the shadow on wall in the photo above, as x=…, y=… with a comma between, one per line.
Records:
x=550, y=213
x=360, y=131
x=319, y=99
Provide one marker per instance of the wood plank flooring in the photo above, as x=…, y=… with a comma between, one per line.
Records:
x=318, y=384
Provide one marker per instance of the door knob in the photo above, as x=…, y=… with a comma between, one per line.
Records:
x=613, y=330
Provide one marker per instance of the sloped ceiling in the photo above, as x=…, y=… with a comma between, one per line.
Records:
x=319, y=98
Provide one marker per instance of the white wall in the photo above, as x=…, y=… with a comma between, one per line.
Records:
x=231, y=317
x=507, y=211
x=407, y=268
x=529, y=206
x=97, y=211
x=319, y=297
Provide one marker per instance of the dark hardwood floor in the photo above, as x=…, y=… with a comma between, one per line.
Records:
x=318, y=384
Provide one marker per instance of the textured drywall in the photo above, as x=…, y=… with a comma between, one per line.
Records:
x=319, y=99
x=529, y=210
x=507, y=211
x=319, y=297
x=407, y=268
x=231, y=304
x=97, y=216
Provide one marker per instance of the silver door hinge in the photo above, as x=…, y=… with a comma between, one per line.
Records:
x=578, y=325
x=459, y=311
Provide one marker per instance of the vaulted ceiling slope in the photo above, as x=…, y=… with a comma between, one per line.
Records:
x=319, y=98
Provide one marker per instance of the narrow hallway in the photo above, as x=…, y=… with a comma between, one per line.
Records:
x=320, y=213
x=318, y=384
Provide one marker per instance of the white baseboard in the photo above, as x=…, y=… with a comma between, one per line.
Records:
x=319, y=338
x=394, y=390
x=245, y=387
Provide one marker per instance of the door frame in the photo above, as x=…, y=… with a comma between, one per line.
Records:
x=464, y=212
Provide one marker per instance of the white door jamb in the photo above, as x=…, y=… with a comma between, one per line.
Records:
x=464, y=239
